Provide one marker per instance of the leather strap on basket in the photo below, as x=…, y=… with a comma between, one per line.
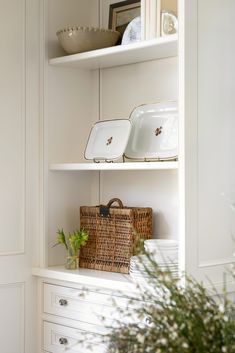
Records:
x=104, y=210
x=120, y=204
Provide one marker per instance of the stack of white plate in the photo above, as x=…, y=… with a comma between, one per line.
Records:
x=163, y=251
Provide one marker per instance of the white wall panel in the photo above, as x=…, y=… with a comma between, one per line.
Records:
x=122, y=89
x=216, y=127
x=12, y=318
x=12, y=126
x=70, y=106
x=68, y=92
x=207, y=106
x=147, y=189
x=66, y=194
x=69, y=114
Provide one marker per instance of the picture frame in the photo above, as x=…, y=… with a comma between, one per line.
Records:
x=122, y=13
x=155, y=16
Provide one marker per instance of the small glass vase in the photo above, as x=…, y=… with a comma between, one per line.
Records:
x=72, y=262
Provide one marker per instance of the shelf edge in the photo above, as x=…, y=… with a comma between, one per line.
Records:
x=82, y=58
x=114, y=166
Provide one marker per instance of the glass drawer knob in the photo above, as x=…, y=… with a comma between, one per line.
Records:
x=148, y=320
x=63, y=302
x=63, y=340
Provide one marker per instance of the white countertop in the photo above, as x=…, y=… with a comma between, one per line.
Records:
x=86, y=277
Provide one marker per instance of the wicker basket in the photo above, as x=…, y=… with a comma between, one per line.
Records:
x=113, y=231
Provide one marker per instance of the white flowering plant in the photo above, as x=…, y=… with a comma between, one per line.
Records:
x=173, y=319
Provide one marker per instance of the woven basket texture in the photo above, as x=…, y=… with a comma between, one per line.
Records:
x=112, y=239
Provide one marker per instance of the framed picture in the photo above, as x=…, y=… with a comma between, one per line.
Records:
x=122, y=13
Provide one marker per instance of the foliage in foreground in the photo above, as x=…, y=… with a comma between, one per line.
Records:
x=180, y=319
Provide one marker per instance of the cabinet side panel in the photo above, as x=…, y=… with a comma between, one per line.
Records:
x=216, y=126
x=68, y=92
x=69, y=114
x=207, y=80
x=69, y=100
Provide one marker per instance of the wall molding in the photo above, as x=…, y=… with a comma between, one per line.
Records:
x=21, y=286
x=215, y=263
x=23, y=119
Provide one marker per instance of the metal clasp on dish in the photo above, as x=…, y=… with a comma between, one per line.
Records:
x=157, y=159
x=95, y=160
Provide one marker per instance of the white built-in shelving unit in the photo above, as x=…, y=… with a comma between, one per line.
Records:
x=107, y=84
x=83, y=88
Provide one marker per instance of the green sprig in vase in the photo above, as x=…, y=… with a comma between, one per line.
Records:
x=73, y=243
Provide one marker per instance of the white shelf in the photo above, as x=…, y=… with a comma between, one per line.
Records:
x=114, y=166
x=86, y=277
x=159, y=48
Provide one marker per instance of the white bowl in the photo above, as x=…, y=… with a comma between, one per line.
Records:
x=77, y=39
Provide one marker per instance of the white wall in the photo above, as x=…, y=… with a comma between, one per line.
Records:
x=123, y=89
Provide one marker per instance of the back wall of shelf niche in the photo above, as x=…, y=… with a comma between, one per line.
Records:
x=74, y=100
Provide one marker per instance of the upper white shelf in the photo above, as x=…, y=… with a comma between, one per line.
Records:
x=114, y=166
x=158, y=48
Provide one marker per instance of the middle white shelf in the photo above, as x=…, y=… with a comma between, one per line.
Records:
x=114, y=166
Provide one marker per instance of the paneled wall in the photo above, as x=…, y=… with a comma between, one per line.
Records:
x=12, y=318
x=208, y=93
x=19, y=177
x=13, y=124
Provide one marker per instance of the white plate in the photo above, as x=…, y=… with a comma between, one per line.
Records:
x=132, y=33
x=154, y=133
x=108, y=139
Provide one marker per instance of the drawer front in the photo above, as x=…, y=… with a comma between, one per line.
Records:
x=74, y=304
x=58, y=339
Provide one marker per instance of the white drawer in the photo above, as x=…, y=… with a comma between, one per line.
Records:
x=73, y=304
x=58, y=339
